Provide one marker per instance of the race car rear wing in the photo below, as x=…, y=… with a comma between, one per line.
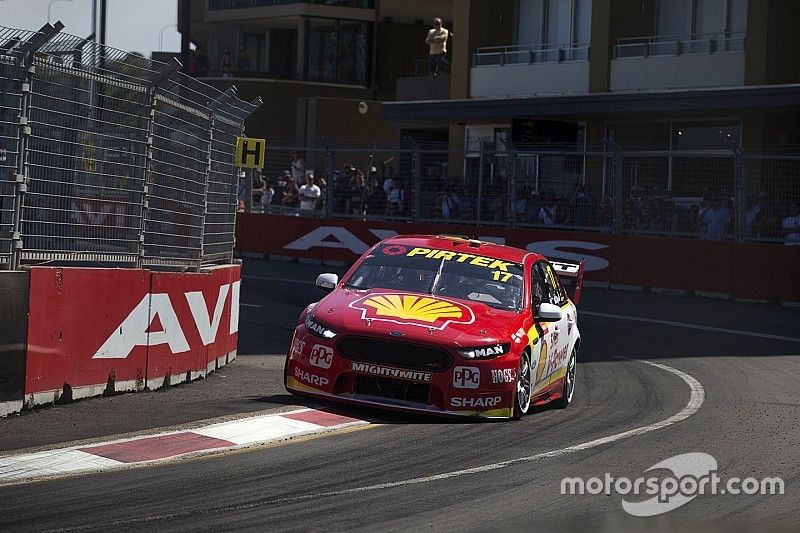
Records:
x=571, y=276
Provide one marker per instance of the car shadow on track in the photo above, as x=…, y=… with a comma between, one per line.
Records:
x=377, y=416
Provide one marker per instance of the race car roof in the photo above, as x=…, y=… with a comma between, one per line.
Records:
x=446, y=242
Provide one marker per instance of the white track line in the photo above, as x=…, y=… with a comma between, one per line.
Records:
x=696, y=397
x=692, y=326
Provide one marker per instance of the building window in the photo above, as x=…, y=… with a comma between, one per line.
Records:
x=554, y=22
x=338, y=51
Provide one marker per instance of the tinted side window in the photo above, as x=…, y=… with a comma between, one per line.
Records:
x=554, y=288
x=540, y=291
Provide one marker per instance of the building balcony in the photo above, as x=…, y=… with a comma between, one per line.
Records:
x=238, y=11
x=423, y=88
x=670, y=62
x=529, y=70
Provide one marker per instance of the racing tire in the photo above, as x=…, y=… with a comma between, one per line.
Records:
x=569, y=383
x=524, y=392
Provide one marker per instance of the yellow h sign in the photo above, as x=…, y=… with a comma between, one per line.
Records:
x=250, y=153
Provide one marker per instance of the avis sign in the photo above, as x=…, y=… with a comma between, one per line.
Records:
x=154, y=322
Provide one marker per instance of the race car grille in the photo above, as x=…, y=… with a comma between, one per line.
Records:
x=393, y=353
x=395, y=389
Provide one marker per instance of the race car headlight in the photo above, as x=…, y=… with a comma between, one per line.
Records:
x=318, y=329
x=485, y=352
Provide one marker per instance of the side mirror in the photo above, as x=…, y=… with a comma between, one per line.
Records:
x=549, y=313
x=327, y=282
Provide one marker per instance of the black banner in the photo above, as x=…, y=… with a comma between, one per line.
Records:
x=14, y=288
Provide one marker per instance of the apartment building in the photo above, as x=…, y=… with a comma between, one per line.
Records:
x=314, y=61
x=651, y=73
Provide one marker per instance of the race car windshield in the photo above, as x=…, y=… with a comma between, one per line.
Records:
x=439, y=272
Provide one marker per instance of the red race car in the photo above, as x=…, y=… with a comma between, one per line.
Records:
x=441, y=325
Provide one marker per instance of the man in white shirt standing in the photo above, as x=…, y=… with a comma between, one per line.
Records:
x=309, y=194
x=437, y=43
x=791, y=226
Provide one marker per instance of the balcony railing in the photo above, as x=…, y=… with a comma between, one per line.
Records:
x=527, y=54
x=216, y=5
x=674, y=45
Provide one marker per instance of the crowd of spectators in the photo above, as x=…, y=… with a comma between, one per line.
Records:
x=379, y=191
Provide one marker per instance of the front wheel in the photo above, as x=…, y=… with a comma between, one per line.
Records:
x=569, y=384
x=522, y=398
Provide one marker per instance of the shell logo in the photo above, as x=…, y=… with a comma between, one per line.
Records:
x=425, y=311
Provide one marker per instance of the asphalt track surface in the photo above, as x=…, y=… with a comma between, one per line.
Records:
x=454, y=476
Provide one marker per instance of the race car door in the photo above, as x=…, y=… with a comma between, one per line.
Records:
x=555, y=340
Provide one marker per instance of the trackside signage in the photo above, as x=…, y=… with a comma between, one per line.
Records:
x=136, y=329
x=90, y=328
x=626, y=260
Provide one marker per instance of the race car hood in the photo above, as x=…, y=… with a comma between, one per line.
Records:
x=413, y=317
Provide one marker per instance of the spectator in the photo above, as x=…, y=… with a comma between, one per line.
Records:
x=394, y=199
x=292, y=196
x=226, y=64
x=388, y=179
x=309, y=194
x=244, y=193
x=323, y=199
x=547, y=214
x=521, y=207
x=450, y=205
x=714, y=219
x=243, y=61
x=282, y=188
x=200, y=62
x=257, y=186
x=791, y=226
x=753, y=216
x=298, y=168
x=268, y=195
x=437, y=44
x=581, y=206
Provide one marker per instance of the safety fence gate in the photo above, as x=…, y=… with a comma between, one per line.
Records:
x=108, y=158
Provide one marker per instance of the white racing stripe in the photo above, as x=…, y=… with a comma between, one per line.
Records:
x=696, y=398
x=691, y=326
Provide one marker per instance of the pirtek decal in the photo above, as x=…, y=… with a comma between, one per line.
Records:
x=339, y=237
x=389, y=372
x=490, y=401
x=133, y=331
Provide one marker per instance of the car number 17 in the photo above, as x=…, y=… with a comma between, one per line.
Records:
x=499, y=275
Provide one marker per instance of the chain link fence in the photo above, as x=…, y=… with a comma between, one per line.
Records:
x=109, y=158
x=714, y=194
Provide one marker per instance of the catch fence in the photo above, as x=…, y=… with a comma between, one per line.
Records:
x=108, y=158
x=719, y=192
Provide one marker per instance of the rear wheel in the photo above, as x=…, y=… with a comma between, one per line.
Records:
x=569, y=383
x=522, y=398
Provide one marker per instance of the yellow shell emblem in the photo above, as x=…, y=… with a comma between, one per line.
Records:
x=413, y=307
x=413, y=310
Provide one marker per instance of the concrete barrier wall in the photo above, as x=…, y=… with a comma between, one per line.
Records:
x=70, y=333
x=764, y=272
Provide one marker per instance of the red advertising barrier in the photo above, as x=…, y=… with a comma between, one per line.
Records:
x=682, y=264
x=72, y=312
x=108, y=330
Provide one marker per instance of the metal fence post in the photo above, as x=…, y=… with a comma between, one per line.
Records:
x=164, y=74
x=511, y=176
x=416, y=178
x=617, y=187
x=329, y=181
x=25, y=63
x=740, y=190
x=482, y=147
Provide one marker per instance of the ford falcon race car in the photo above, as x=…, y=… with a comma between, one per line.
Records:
x=442, y=325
